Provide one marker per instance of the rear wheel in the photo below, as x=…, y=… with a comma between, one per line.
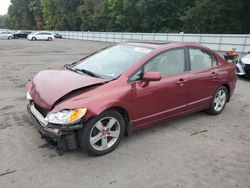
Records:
x=102, y=134
x=33, y=38
x=10, y=38
x=49, y=39
x=219, y=101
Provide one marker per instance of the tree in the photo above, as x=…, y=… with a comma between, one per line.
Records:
x=35, y=7
x=67, y=15
x=213, y=16
x=245, y=15
x=19, y=16
x=94, y=15
x=161, y=15
x=2, y=21
x=48, y=9
x=194, y=16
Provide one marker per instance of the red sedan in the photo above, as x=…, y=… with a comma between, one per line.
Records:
x=94, y=102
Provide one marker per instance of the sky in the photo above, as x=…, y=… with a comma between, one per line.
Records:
x=4, y=4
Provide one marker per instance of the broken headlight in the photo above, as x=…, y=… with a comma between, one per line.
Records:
x=66, y=117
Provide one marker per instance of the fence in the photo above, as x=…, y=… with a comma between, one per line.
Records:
x=217, y=42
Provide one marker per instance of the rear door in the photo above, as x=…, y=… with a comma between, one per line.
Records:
x=40, y=36
x=46, y=36
x=203, y=78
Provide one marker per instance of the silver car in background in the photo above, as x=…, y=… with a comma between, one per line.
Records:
x=42, y=35
x=6, y=35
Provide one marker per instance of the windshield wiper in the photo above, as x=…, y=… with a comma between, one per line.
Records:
x=82, y=71
x=88, y=72
x=69, y=68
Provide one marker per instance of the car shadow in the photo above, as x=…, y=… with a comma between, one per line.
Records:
x=243, y=78
x=176, y=125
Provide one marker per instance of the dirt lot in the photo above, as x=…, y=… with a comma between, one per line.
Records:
x=168, y=155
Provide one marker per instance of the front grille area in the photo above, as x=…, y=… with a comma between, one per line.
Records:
x=237, y=69
x=247, y=69
x=43, y=111
x=240, y=62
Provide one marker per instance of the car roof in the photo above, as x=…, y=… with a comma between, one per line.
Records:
x=155, y=44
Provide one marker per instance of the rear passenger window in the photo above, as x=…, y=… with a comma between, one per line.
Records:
x=201, y=59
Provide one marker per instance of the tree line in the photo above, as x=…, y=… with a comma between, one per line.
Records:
x=192, y=16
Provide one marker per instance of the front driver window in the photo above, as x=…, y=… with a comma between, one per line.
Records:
x=168, y=63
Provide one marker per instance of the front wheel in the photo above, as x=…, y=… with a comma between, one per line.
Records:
x=49, y=39
x=218, y=102
x=33, y=38
x=102, y=134
x=10, y=38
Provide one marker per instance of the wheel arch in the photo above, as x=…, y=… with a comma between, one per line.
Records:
x=229, y=91
x=123, y=111
x=125, y=115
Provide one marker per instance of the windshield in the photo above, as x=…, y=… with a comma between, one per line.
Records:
x=111, y=62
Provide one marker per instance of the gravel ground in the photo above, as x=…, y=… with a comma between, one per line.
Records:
x=167, y=155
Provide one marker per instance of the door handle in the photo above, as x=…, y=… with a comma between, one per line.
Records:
x=181, y=81
x=213, y=74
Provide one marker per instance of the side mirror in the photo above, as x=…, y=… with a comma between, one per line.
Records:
x=151, y=76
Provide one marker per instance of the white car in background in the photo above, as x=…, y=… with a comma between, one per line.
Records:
x=42, y=35
x=243, y=66
x=6, y=35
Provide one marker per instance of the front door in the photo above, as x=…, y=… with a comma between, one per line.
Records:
x=162, y=99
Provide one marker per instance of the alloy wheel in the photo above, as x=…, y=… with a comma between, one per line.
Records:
x=219, y=100
x=105, y=133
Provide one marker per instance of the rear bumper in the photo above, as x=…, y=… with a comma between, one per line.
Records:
x=62, y=137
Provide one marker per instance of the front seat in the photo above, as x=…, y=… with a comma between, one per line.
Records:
x=197, y=62
x=169, y=65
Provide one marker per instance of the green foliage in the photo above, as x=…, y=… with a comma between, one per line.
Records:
x=2, y=21
x=19, y=16
x=213, y=16
x=193, y=16
x=35, y=8
x=245, y=16
x=48, y=9
x=93, y=14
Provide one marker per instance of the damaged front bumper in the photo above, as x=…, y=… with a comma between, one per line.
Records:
x=61, y=136
x=242, y=69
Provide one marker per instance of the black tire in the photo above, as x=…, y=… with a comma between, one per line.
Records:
x=33, y=38
x=10, y=38
x=212, y=109
x=84, y=134
x=49, y=39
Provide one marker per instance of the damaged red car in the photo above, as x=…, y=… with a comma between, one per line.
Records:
x=94, y=102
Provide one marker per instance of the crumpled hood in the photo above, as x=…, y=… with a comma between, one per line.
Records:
x=49, y=86
x=246, y=59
